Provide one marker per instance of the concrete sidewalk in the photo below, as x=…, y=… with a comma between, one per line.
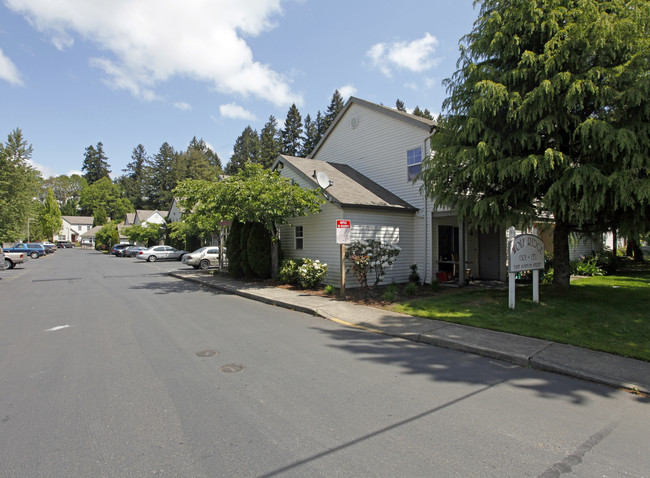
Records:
x=599, y=367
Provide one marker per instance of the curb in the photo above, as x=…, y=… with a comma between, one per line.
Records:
x=529, y=361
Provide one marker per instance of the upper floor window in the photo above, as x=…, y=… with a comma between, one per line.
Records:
x=299, y=237
x=414, y=163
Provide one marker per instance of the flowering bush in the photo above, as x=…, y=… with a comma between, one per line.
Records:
x=369, y=256
x=305, y=273
x=311, y=273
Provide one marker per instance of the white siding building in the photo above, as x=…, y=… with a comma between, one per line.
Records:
x=372, y=154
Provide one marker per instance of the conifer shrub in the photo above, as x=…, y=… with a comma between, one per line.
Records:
x=258, y=250
x=233, y=250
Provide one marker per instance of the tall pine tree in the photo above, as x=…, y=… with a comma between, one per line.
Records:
x=334, y=108
x=269, y=143
x=95, y=163
x=292, y=132
x=246, y=150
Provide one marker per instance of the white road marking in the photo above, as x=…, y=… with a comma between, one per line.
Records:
x=59, y=327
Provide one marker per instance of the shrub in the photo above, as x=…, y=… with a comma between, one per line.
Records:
x=435, y=284
x=369, y=256
x=311, y=273
x=414, y=276
x=390, y=294
x=586, y=267
x=233, y=250
x=410, y=289
x=288, y=273
x=329, y=289
x=258, y=247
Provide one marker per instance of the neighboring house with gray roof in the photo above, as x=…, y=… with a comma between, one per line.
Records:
x=72, y=227
x=371, y=155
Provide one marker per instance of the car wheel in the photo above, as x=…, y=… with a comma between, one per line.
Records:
x=151, y=259
x=196, y=267
x=205, y=264
x=9, y=264
x=34, y=255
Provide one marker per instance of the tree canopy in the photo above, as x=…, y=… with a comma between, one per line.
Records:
x=104, y=199
x=50, y=216
x=19, y=185
x=548, y=114
x=254, y=194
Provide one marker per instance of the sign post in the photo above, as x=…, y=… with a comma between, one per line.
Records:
x=342, y=238
x=525, y=252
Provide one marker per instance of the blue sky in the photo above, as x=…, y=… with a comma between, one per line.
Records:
x=128, y=72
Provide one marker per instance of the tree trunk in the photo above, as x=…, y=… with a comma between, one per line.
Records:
x=561, y=266
x=633, y=250
x=275, y=253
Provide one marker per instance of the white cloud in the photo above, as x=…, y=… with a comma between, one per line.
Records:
x=45, y=171
x=415, y=56
x=347, y=91
x=235, y=111
x=151, y=41
x=183, y=106
x=8, y=71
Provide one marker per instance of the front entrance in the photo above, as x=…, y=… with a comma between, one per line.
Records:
x=448, y=250
x=488, y=255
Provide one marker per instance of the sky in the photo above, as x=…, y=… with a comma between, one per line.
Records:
x=74, y=73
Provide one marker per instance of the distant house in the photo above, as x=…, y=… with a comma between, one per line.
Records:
x=73, y=226
x=141, y=217
x=371, y=154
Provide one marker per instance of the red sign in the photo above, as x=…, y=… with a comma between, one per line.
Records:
x=343, y=231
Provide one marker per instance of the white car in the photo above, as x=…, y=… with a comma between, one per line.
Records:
x=202, y=258
x=160, y=253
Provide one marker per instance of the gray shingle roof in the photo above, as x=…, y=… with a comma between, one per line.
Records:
x=349, y=187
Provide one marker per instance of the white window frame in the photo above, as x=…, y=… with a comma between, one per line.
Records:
x=413, y=163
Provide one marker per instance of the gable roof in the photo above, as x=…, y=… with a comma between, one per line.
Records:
x=349, y=187
x=144, y=214
x=79, y=220
x=414, y=120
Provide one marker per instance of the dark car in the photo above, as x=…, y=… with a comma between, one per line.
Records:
x=64, y=244
x=132, y=251
x=119, y=248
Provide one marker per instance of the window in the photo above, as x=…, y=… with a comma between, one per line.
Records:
x=414, y=162
x=299, y=237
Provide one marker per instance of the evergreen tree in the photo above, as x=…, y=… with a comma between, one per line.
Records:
x=269, y=143
x=133, y=182
x=50, y=217
x=423, y=114
x=95, y=164
x=198, y=162
x=292, y=132
x=548, y=113
x=334, y=108
x=246, y=150
x=399, y=104
x=320, y=127
x=19, y=184
x=311, y=137
x=162, y=177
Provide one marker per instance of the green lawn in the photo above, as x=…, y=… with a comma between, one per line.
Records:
x=610, y=313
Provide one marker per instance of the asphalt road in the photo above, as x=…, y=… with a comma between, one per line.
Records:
x=111, y=368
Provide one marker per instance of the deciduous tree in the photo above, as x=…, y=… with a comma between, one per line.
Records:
x=50, y=216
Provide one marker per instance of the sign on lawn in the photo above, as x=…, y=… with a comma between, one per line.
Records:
x=342, y=231
x=526, y=253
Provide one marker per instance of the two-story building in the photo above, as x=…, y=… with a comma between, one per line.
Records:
x=370, y=157
x=73, y=227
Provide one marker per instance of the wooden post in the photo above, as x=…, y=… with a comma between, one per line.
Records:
x=342, y=274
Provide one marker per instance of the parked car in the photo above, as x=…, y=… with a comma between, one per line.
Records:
x=132, y=251
x=13, y=258
x=49, y=247
x=3, y=265
x=119, y=247
x=202, y=258
x=32, y=249
x=161, y=253
x=64, y=244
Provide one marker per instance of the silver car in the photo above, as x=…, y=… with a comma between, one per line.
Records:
x=160, y=253
x=202, y=258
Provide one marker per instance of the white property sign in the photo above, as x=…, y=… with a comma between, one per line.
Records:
x=525, y=253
